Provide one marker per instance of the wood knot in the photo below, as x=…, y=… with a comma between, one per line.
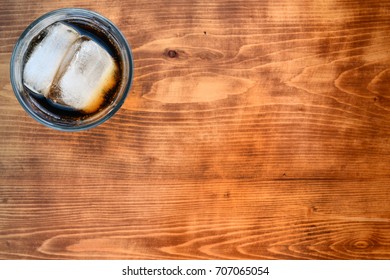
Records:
x=311, y=210
x=361, y=244
x=172, y=53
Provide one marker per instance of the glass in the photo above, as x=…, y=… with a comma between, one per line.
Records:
x=89, y=19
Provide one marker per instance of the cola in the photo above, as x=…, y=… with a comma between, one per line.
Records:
x=71, y=69
x=51, y=98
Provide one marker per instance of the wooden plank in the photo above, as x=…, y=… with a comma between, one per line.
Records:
x=253, y=130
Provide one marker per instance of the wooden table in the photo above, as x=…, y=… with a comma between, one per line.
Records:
x=253, y=130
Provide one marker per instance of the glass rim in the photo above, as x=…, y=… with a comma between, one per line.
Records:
x=74, y=13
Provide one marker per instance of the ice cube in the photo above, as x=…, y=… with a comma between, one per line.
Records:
x=46, y=57
x=89, y=75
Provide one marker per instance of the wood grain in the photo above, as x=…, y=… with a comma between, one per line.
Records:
x=253, y=130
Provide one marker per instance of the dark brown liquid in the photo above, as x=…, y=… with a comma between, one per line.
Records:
x=67, y=115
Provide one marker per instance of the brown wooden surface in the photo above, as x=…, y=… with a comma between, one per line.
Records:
x=254, y=130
